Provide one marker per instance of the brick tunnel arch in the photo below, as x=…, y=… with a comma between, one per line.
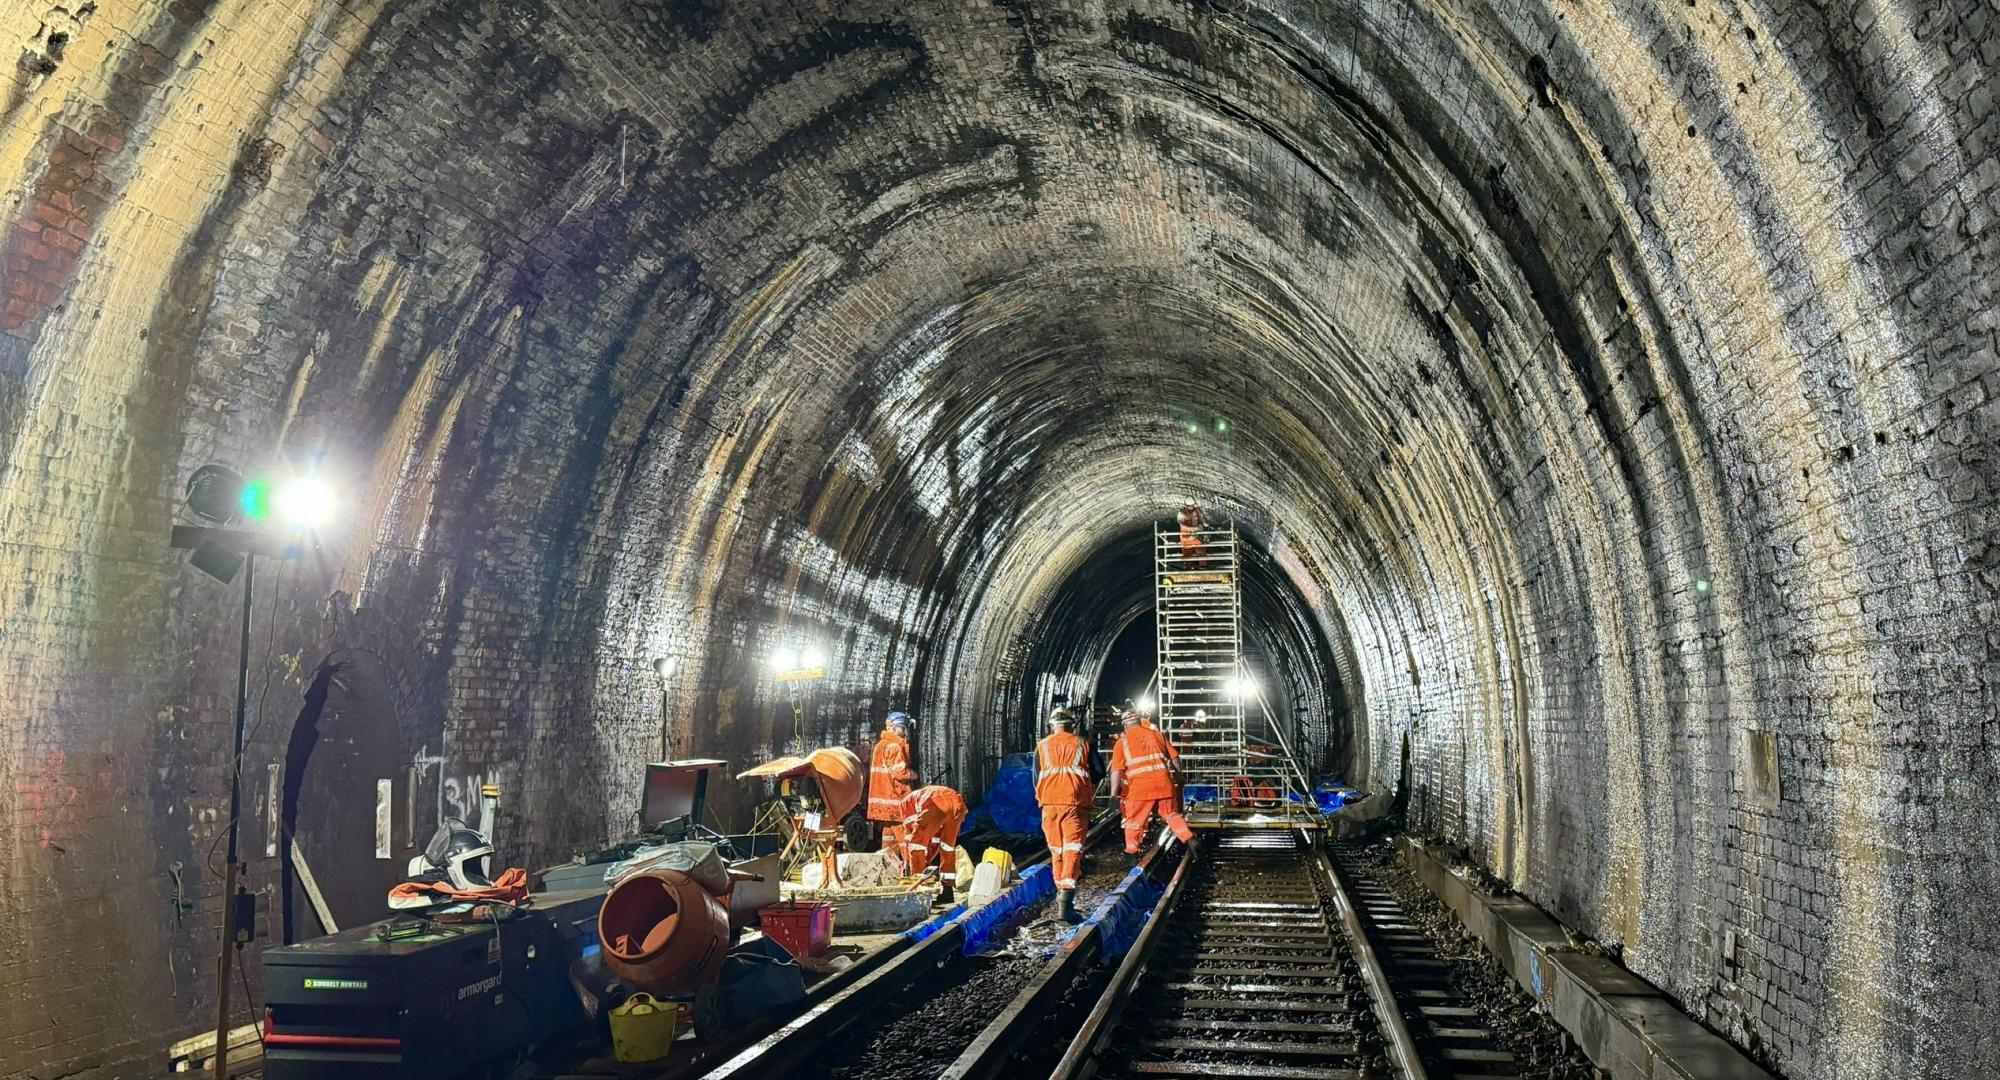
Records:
x=1616, y=383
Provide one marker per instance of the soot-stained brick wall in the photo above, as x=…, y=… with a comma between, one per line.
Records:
x=1610, y=386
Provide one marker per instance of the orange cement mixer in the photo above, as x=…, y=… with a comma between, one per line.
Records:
x=835, y=771
x=663, y=932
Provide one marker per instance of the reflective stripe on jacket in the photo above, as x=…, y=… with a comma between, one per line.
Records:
x=1143, y=754
x=1062, y=771
x=931, y=807
x=887, y=769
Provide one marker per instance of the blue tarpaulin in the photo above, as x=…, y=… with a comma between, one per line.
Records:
x=1123, y=918
x=1010, y=803
x=1119, y=916
x=1037, y=883
x=1331, y=795
x=932, y=925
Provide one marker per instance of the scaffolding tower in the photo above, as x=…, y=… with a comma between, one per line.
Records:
x=1237, y=767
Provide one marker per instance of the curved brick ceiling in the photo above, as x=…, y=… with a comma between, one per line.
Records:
x=1608, y=388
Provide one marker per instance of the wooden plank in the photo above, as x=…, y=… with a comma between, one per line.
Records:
x=311, y=887
x=204, y=1044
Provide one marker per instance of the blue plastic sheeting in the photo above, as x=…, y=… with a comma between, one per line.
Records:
x=1010, y=803
x=1127, y=916
x=1121, y=914
x=1037, y=884
x=1198, y=793
x=1331, y=795
x=938, y=922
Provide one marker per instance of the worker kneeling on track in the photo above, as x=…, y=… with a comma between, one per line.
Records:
x=1145, y=781
x=931, y=817
x=1064, y=789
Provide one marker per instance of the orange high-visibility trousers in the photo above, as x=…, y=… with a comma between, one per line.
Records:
x=933, y=838
x=1138, y=814
x=1064, y=827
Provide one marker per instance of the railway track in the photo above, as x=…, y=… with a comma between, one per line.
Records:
x=919, y=1012
x=1246, y=970
x=930, y=1025
x=1268, y=956
x=1449, y=1026
x=1271, y=957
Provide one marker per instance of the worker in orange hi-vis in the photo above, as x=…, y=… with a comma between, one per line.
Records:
x=889, y=779
x=1144, y=780
x=1064, y=789
x=931, y=817
x=1191, y=523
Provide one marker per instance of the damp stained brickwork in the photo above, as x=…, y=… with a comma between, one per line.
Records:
x=1612, y=387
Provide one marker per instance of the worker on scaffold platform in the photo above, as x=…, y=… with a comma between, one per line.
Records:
x=1193, y=551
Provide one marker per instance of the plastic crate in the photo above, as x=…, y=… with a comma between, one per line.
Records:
x=804, y=928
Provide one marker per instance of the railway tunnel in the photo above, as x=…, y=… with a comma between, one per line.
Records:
x=1605, y=393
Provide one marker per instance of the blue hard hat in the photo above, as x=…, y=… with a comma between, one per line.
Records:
x=899, y=717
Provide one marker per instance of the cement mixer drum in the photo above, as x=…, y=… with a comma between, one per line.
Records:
x=663, y=933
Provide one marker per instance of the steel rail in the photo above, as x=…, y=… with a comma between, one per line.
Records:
x=1402, y=1048
x=822, y=991
x=1102, y=1022
x=990, y=1051
x=778, y=1052
x=1080, y=1060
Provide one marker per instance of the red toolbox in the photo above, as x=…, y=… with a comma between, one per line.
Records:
x=804, y=928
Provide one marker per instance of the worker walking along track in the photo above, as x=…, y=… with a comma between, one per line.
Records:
x=1236, y=764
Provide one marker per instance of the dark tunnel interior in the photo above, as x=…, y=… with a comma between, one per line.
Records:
x=1112, y=590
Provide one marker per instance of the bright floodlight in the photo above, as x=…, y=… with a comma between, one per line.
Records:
x=785, y=660
x=665, y=666
x=303, y=502
x=812, y=658
x=1144, y=705
x=1242, y=686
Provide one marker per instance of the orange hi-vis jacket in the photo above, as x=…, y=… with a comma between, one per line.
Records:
x=888, y=777
x=934, y=803
x=1062, y=771
x=1143, y=755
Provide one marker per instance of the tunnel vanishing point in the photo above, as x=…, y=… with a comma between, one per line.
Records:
x=1607, y=388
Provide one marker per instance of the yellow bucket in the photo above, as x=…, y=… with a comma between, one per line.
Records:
x=643, y=1028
